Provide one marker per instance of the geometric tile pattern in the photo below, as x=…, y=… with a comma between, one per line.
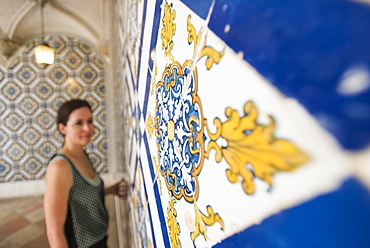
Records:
x=10, y=90
x=29, y=106
x=73, y=60
x=26, y=75
x=30, y=95
x=58, y=75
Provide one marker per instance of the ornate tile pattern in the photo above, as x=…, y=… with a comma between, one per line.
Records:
x=29, y=105
x=58, y=74
x=73, y=60
x=10, y=90
x=212, y=147
x=26, y=75
x=30, y=96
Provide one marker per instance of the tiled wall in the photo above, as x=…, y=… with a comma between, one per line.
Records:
x=238, y=118
x=30, y=96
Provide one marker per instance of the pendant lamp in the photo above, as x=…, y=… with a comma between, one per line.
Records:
x=43, y=53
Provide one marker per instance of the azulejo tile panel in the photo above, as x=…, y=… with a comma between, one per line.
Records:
x=218, y=148
x=73, y=60
x=14, y=121
x=29, y=105
x=31, y=136
x=33, y=165
x=140, y=205
x=11, y=90
x=1, y=75
x=30, y=96
x=3, y=138
x=58, y=74
x=26, y=75
x=59, y=43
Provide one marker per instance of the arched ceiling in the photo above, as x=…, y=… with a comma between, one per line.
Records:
x=85, y=19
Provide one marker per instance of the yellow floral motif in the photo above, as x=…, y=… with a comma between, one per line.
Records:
x=135, y=201
x=150, y=126
x=129, y=121
x=202, y=221
x=153, y=83
x=192, y=34
x=250, y=143
x=212, y=55
x=174, y=227
x=168, y=30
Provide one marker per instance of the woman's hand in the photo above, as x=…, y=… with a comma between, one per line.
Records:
x=120, y=188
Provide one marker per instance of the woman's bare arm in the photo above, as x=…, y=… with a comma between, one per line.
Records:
x=58, y=183
x=120, y=188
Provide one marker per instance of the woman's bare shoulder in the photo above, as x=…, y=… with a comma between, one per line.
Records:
x=58, y=175
x=58, y=165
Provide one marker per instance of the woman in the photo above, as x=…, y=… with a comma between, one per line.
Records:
x=75, y=213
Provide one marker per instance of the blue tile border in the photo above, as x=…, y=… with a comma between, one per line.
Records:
x=161, y=214
x=304, y=48
x=338, y=219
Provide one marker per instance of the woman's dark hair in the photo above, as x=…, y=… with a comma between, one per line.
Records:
x=66, y=109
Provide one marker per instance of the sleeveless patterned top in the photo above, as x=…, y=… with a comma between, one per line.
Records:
x=87, y=218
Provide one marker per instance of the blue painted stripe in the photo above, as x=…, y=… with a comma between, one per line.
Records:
x=161, y=216
x=137, y=131
x=338, y=219
x=153, y=43
x=304, y=48
x=129, y=101
x=154, y=245
x=147, y=90
x=133, y=79
x=135, y=171
x=141, y=39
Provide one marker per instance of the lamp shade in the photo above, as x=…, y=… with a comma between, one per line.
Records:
x=44, y=54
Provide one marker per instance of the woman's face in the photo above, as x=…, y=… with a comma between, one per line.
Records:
x=79, y=128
